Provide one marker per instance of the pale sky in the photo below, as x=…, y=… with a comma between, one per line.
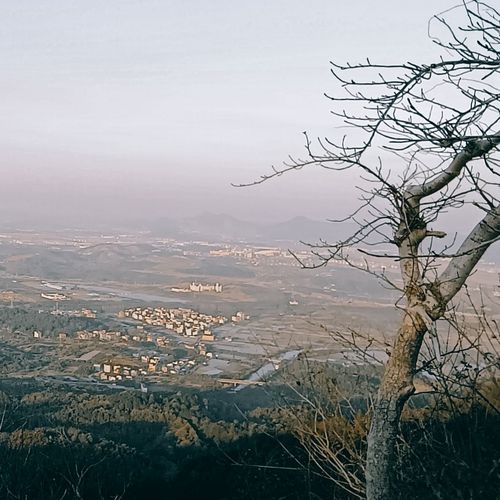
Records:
x=123, y=108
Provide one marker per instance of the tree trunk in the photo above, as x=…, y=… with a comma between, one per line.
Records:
x=395, y=389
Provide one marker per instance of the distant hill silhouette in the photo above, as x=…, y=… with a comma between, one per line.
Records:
x=217, y=227
x=223, y=227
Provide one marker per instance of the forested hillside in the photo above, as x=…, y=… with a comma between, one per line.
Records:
x=59, y=444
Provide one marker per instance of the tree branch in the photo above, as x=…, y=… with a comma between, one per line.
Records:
x=472, y=249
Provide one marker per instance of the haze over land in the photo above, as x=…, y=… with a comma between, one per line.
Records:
x=121, y=111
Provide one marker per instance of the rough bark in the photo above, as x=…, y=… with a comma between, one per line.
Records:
x=397, y=386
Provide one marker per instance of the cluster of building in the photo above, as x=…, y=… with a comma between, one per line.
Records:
x=106, y=335
x=54, y=296
x=182, y=321
x=151, y=364
x=85, y=335
x=199, y=287
x=208, y=287
x=81, y=313
x=110, y=336
x=258, y=255
x=249, y=253
x=113, y=371
x=239, y=316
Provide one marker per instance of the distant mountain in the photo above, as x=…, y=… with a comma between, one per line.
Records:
x=217, y=227
x=220, y=225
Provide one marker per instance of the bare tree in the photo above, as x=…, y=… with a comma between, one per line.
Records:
x=424, y=139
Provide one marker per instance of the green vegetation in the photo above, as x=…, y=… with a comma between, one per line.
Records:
x=26, y=320
x=131, y=445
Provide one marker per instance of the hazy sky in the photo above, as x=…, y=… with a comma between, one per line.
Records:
x=120, y=108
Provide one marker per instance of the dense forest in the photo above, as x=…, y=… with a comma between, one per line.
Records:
x=56, y=443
